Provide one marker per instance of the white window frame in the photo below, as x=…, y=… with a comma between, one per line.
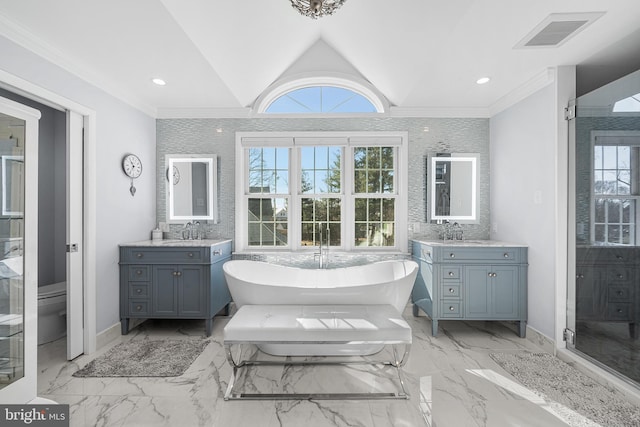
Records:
x=349, y=140
x=614, y=138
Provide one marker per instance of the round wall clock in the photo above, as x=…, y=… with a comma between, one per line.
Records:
x=132, y=167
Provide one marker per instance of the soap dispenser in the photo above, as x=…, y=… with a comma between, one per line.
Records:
x=156, y=234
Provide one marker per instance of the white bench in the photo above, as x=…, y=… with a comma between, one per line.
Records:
x=317, y=324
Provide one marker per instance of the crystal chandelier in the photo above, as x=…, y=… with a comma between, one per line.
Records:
x=316, y=8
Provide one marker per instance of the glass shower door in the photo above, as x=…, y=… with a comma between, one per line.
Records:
x=18, y=249
x=604, y=302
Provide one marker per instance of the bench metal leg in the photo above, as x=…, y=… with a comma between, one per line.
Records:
x=397, y=363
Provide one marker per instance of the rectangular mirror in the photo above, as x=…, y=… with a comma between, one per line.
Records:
x=453, y=187
x=191, y=187
x=12, y=179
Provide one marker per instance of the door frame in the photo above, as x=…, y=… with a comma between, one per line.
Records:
x=54, y=100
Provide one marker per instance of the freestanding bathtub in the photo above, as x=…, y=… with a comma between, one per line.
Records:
x=256, y=282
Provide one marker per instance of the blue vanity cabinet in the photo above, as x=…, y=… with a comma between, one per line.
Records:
x=471, y=281
x=182, y=280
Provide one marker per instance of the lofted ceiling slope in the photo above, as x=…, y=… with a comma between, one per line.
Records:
x=221, y=56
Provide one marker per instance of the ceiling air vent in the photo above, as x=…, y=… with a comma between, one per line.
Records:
x=557, y=28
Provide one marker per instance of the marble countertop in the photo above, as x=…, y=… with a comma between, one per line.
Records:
x=468, y=243
x=177, y=243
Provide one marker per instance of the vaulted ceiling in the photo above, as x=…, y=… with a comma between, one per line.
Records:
x=220, y=56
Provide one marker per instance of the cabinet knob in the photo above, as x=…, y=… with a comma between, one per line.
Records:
x=620, y=276
x=451, y=291
x=175, y=273
x=178, y=273
x=190, y=254
x=620, y=293
x=451, y=308
x=580, y=276
x=217, y=252
x=619, y=257
x=493, y=274
x=138, y=272
x=451, y=273
x=138, y=291
x=619, y=310
x=139, y=254
x=452, y=255
x=506, y=255
x=138, y=307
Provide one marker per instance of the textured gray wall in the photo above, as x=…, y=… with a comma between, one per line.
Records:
x=202, y=136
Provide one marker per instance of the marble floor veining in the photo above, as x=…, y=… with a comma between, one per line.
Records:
x=451, y=379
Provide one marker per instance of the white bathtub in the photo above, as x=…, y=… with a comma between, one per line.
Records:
x=385, y=282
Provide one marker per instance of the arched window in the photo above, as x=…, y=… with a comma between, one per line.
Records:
x=321, y=99
x=321, y=95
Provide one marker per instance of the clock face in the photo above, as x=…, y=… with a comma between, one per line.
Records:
x=132, y=165
x=176, y=175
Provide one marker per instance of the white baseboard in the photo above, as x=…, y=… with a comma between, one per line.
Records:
x=536, y=337
x=105, y=337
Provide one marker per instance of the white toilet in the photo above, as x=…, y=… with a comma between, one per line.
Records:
x=52, y=312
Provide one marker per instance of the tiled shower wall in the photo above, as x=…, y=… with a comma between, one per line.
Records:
x=426, y=136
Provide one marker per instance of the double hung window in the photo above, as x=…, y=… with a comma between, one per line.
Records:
x=615, y=192
x=339, y=189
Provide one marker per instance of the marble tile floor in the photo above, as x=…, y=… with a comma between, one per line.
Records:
x=451, y=380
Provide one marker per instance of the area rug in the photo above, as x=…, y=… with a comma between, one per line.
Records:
x=145, y=358
x=555, y=380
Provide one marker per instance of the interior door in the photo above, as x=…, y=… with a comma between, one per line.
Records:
x=75, y=247
x=18, y=252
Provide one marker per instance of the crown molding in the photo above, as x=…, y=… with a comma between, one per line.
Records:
x=440, y=112
x=29, y=41
x=539, y=81
x=203, y=113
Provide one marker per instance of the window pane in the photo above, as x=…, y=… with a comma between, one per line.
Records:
x=373, y=157
x=335, y=234
x=599, y=233
x=360, y=181
x=373, y=182
x=626, y=235
x=600, y=210
x=614, y=234
x=387, y=181
x=307, y=234
x=361, y=209
x=610, y=179
x=387, y=157
x=388, y=209
x=267, y=221
x=334, y=210
x=321, y=186
x=624, y=182
x=614, y=209
x=321, y=99
x=627, y=207
x=375, y=210
x=360, y=157
x=610, y=158
x=315, y=214
x=598, y=184
x=597, y=157
x=624, y=157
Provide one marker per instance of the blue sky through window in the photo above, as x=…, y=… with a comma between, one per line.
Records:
x=321, y=99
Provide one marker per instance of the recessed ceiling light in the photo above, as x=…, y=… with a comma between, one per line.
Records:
x=483, y=80
x=159, y=82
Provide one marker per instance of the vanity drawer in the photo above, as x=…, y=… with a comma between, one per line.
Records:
x=606, y=255
x=450, y=290
x=172, y=255
x=450, y=308
x=619, y=311
x=619, y=294
x=138, y=290
x=139, y=273
x=619, y=274
x=140, y=307
x=506, y=254
x=451, y=273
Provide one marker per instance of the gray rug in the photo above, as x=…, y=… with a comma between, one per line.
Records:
x=553, y=379
x=145, y=358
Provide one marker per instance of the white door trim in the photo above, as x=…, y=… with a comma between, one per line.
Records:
x=50, y=98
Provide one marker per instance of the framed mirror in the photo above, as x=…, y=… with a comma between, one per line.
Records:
x=191, y=187
x=453, y=187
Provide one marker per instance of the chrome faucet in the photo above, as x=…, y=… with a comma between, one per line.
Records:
x=187, y=232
